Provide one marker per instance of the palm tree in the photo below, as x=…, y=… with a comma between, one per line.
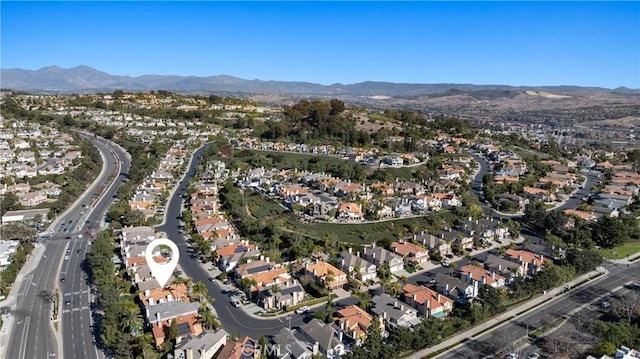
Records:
x=199, y=289
x=131, y=321
x=207, y=318
x=248, y=284
x=144, y=344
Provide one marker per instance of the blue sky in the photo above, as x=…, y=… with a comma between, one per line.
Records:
x=513, y=43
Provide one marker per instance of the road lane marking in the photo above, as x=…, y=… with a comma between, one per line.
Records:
x=23, y=338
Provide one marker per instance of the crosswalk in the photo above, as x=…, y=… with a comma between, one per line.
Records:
x=65, y=311
x=76, y=293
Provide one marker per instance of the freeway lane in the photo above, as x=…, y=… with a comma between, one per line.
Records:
x=234, y=320
x=76, y=321
x=32, y=310
x=503, y=337
x=32, y=314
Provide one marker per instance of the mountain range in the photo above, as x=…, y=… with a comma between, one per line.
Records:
x=84, y=79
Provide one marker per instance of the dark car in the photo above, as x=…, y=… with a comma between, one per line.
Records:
x=68, y=302
x=62, y=279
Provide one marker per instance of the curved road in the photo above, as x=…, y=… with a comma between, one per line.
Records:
x=235, y=320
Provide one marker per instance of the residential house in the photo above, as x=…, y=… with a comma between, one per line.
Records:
x=203, y=346
x=456, y=289
x=32, y=199
x=326, y=339
x=357, y=266
x=354, y=322
x=327, y=275
x=472, y=274
x=285, y=345
x=394, y=313
x=433, y=243
x=285, y=295
x=350, y=211
x=531, y=263
x=251, y=268
x=245, y=348
x=379, y=256
x=538, y=194
x=508, y=269
x=427, y=301
x=411, y=252
x=160, y=316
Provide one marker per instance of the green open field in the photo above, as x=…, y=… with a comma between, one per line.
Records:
x=261, y=206
x=628, y=249
x=358, y=233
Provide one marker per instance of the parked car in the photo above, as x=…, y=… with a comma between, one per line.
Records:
x=445, y=263
x=235, y=302
x=533, y=356
x=302, y=310
x=605, y=304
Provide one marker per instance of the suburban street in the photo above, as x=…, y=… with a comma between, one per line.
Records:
x=34, y=305
x=235, y=320
x=503, y=337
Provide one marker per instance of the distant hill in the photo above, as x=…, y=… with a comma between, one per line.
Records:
x=84, y=79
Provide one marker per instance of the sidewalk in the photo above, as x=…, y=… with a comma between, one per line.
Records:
x=503, y=318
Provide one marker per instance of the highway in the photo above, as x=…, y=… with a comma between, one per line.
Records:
x=502, y=338
x=34, y=305
x=77, y=322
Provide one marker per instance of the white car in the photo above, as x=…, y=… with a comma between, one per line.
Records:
x=605, y=304
x=533, y=356
x=302, y=310
x=235, y=302
x=445, y=263
x=66, y=257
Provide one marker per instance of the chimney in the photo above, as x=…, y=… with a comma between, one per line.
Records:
x=316, y=348
x=346, y=324
x=384, y=315
x=267, y=259
x=415, y=296
x=350, y=250
x=147, y=292
x=262, y=258
x=483, y=279
x=340, y=336
x=342, y=263
x=341, y=325
x=395, y=304
x=493, y=275
x=415, y=237
x=314, y=272
x=520, y=258
x=470, y=219
x=541, y=259
x=373, y=245
x=151, y=301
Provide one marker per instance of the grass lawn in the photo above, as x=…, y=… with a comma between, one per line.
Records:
x=261, y=207
x=357, y=233
x=628, y=249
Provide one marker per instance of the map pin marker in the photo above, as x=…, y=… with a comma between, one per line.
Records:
x=162, y=272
